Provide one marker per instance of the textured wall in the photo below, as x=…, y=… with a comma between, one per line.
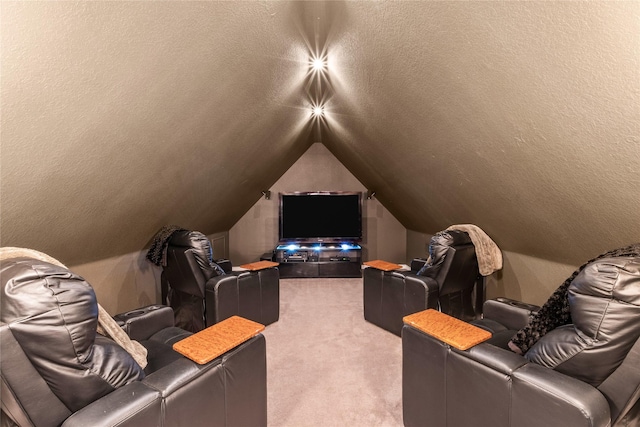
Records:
x=121, y=117
x=520, y=117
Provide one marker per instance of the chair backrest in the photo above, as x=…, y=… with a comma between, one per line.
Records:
x=189, y=265
x=622, y=387
x=26, y=398
x=454, y=266
x=601, y=346
x=189, y=262
x=53, y=361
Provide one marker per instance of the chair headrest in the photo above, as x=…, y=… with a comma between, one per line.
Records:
x=604, y=301
x=194, y=240
x=450, y=238
x=438, y=248
x=53, y=314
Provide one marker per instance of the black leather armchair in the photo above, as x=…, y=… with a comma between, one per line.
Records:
x=447, y=282
x=203, y=292
x=56, y=370
x=581, y=374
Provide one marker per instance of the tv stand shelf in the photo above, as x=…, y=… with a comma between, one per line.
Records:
x=319, y=259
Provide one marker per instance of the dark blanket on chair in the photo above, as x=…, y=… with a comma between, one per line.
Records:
x=555, y=312
x=159, y=243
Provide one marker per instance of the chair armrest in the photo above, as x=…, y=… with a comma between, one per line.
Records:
x=229, y=390
x=176, y=375
x=222, y=297
x=388, y=296
x=496, y=358
x=542, y=396
x=428, y=283
x=539, y=395
x=455, y=332
x=142, y=323
x=270, y=295
x=417, y=264
x=134, y=405
x=209, y=343
x=251, y=294
x=512, y=314
x=225, y=264
x=486, y=385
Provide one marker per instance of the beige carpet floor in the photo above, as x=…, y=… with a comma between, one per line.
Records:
x=327, y=366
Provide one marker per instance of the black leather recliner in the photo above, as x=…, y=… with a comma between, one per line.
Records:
x=580, y=374
x=56, y=370
x=203, y=293
x=447, y=282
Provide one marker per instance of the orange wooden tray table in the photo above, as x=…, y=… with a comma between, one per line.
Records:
x=204, y=346
x=448, y=329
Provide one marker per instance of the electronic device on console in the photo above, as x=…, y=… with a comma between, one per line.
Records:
x=295, y=256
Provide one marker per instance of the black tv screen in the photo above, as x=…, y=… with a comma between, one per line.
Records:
x=321, y=216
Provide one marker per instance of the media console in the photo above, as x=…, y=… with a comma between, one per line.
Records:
x=319, y=260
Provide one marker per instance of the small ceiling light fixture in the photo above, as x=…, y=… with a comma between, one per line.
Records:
x=317, y=111
x=318, y=64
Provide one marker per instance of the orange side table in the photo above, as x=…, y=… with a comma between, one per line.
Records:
x=382, y=265
x=204, y=346
x=448, y=329
x=260, y=265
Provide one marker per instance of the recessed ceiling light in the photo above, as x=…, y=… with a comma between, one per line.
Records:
x=317, y=111
x=318, y=64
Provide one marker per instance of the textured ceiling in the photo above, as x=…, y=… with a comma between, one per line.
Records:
x=121, y=117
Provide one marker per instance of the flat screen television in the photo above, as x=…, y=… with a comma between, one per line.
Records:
x=321, y=216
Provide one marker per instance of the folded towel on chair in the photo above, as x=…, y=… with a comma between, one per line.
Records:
x=487, y=252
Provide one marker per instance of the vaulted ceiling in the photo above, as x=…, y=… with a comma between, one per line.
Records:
x=121, y=117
